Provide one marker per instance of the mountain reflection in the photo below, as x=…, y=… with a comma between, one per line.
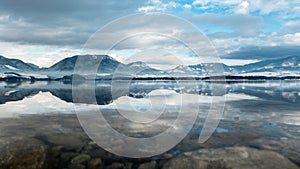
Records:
x=274, y=90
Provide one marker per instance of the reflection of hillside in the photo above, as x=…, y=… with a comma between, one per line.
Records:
x=275, y=91
x=286, y=91
x=15, y=95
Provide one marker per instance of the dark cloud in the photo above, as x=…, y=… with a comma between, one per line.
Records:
x=55, y=10
x=262, y=53
x=56, y=22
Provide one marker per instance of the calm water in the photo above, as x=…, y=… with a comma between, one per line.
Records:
x=273, y=101
x=264, y=116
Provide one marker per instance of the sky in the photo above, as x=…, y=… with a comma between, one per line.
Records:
x=44, y=32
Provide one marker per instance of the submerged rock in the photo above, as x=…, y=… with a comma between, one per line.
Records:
x=76, y=166
x=80, y=159
x=149, y=165
x=230, y=158
x=95, y=163
x=23, y=154
x=116, y=166
x=68, y=141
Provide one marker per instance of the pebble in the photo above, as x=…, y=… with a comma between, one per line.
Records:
x=149, y=165
x=95, y=162
x=115, y=166
x=76, y=166
x=80, y=159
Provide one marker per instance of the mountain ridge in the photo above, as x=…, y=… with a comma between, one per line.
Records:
x=279, y=66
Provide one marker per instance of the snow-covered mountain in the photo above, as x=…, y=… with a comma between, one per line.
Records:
x=107, y=65
x=15, y=65
x=288, y=66
x=274, y=67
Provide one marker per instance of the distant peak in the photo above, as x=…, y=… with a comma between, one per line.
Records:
x=138, y=63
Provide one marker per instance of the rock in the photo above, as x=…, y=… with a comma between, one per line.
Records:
x=95, y=153
x=188, y=153
x=289, y=148
x=76, y=166
x=26, y=153
x=55, y=151
x=128, y=165
x=231, y=158
x=149, y=165
x=80, y=159
x=179, y=163
x=167, y=156
x=68, y=141
x=95, y=163
x=115, y=166
x=66, y=157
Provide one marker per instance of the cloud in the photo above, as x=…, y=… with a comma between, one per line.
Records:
x=242, y=8
x=264, y=52
x=267, y=7
x=158, y=6
x=56, y=11
x=58, y=22
x=291, y=39
x=290, y=27
x=41, y=55
x=187, y=6
x=206, y=2
x=24, y=32
x=147, y=33
x=60, y=28
x=241, y=25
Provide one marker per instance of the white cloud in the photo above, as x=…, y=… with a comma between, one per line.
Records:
x=291, y=39
x=45, y=39
x=289, y=7
x=157, y=6
x=242, y=8
x=267, y=7
x=187, y=6
x=290, y=27
x=40, y=55
x=221, y=2
x=147, y=9
x=201, y=2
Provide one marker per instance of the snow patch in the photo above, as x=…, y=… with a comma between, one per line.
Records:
x=11, y=67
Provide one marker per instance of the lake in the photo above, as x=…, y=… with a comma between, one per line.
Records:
x=49, y=126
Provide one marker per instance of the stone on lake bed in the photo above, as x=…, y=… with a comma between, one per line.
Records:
x=20, y=154
x=66, y=157
x=115, y=166
x=76, y=166
x=149, y=165
x=231, y=158
x=95, y=163
x=80, y=159
x=69, y=141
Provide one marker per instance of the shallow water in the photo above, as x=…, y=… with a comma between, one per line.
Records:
x=263, y=116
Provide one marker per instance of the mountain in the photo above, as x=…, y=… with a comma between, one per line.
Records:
x=137, y=66
x=282, y=66
x=108, y=64
x=16, y=65
x=206, y=69
x=203, y=69
x=142, y=69
x=108, y=67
